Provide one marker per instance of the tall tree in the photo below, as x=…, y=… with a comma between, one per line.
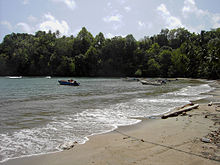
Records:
x=165, y=62
x=85, y=40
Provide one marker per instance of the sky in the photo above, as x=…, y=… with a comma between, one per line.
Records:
x=111, y=17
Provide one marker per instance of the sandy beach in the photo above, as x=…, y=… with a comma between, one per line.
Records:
x=188, y=139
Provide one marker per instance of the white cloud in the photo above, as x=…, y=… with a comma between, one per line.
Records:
x=141, y=24
x=51, y=23
x=48, y=16
x=48, y=22
x=21, y=27
x=190, y=7
x=196, y=29
x=122, y=1
x=116, y=26
x=163, y=9
x=109, y=4
x=25, y=2
x=109, y=35
x=32, y=19
x=24, y=27
x=171, y=21
x=76, y=31
x=113, y=18
x=127, y=8
x=69, y=3
x=216, y=20
x=7, y=24
x=149, y=25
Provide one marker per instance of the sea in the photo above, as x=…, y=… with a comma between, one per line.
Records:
x=38, y=116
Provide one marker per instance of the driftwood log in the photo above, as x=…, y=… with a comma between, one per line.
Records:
x=213, y=103
x=180, y=111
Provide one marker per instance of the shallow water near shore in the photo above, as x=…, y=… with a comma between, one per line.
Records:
x=38, y=115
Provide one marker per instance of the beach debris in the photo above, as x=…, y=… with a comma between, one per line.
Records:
x=210, y=104
x=215, y=136
x=180, y=111
x=206, y=140
x=212, y=149
x=212, y=137
x=183, y=114
x=68, y=145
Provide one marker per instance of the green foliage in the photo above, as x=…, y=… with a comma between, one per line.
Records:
x=153, y=68
x=99, y=41
x=138, y=73
x=84, y=39
x=179, y=63
x=171, y=53
x=165, y=62
x=91, y=58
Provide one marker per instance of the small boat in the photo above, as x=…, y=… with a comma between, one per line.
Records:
x=15, y=77
x=48, y=77
x=69, y=82
x=156, y=83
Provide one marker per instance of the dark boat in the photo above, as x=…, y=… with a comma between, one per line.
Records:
x=69, y=82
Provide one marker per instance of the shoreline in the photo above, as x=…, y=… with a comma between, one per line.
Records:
x=128, y=140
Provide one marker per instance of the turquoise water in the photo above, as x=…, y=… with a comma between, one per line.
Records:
x=38, y=115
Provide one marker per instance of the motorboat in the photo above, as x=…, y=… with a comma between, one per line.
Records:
x=68, y=82
x=15, y=77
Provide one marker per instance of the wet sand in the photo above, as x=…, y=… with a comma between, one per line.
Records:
x=175, y=140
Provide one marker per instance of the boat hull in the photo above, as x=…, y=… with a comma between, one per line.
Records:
x=68, y=83
x=155, y=83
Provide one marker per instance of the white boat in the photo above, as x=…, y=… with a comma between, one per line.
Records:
x=48, y=77
x=15, y=77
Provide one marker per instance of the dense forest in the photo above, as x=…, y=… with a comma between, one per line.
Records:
x=171, y=53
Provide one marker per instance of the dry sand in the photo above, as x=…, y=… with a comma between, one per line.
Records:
x=175, y=140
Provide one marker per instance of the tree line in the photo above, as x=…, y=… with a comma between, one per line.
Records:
x=171, y=53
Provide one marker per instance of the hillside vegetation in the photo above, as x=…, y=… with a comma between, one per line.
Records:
x=171, y=53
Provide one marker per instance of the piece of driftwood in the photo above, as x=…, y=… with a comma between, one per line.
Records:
x=180, y=111
x=68, y=145
x=213, y=103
